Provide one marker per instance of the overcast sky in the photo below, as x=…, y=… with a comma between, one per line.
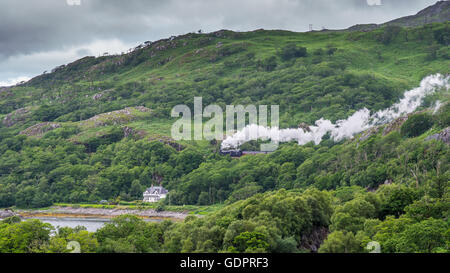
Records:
x=38, y=35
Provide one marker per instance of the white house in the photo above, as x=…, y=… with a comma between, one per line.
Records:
x=154, y=194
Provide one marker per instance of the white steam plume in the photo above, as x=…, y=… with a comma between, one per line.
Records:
x=437, y=106
x=356, y=123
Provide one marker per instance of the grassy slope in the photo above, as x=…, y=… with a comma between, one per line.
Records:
x=165, y=69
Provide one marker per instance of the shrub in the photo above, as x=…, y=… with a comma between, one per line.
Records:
x=228, y=50
x=203, y=199
x=160, y=207
x=443, y=53
x=442, y=36
x=331, y=50
x=319, y=52
x=432, y=52
x=443, y=116
x=416, y=125
x=291, y=51
x=48, y=113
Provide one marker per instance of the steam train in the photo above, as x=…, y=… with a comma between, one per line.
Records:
x=239, y=153
x=232, y=153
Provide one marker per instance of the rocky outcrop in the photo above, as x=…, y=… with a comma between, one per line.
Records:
x=395, y=125
x=17, y=116
x=100, y=95
x=437, y=13
x=6, y=213
x=116, y=117
x=128, y=131
x=444, y=136
x=40, y=129
x=367, y=134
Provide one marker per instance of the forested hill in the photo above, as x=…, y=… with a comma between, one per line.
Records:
x=310, y=75
x=437, y=13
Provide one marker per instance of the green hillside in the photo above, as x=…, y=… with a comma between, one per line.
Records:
x=341, y=72
x=437, y=13
x=99, y=129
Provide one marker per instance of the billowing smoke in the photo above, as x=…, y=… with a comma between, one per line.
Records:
x=437, y=106
x=356, y=123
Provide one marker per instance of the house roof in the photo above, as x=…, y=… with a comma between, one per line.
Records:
x=157, y=190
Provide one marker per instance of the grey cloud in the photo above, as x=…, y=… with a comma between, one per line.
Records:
x=30, y=26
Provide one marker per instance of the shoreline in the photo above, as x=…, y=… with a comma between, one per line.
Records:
x=69, y=212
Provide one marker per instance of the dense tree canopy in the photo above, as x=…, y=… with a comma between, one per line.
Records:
x=390, y=186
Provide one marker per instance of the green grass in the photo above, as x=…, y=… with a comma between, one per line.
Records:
x=186, y=69
x=93, y=206
x=153, y=127
x=191, y=209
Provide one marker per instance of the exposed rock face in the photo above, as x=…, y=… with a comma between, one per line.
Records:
x=97, y=96
x=437, y=13
x=442, y=136
x=221, y=33
x=5, y=92
x=313, y=241
x=116, y=117
x=17, y=116
x=395, y=125
x=130, y=132
x=40, y=129
x=367, y=134
x=100, y=95
x=6, y=213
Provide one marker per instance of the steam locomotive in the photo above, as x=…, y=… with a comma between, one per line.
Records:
x=232, y=153
x=239, y=153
